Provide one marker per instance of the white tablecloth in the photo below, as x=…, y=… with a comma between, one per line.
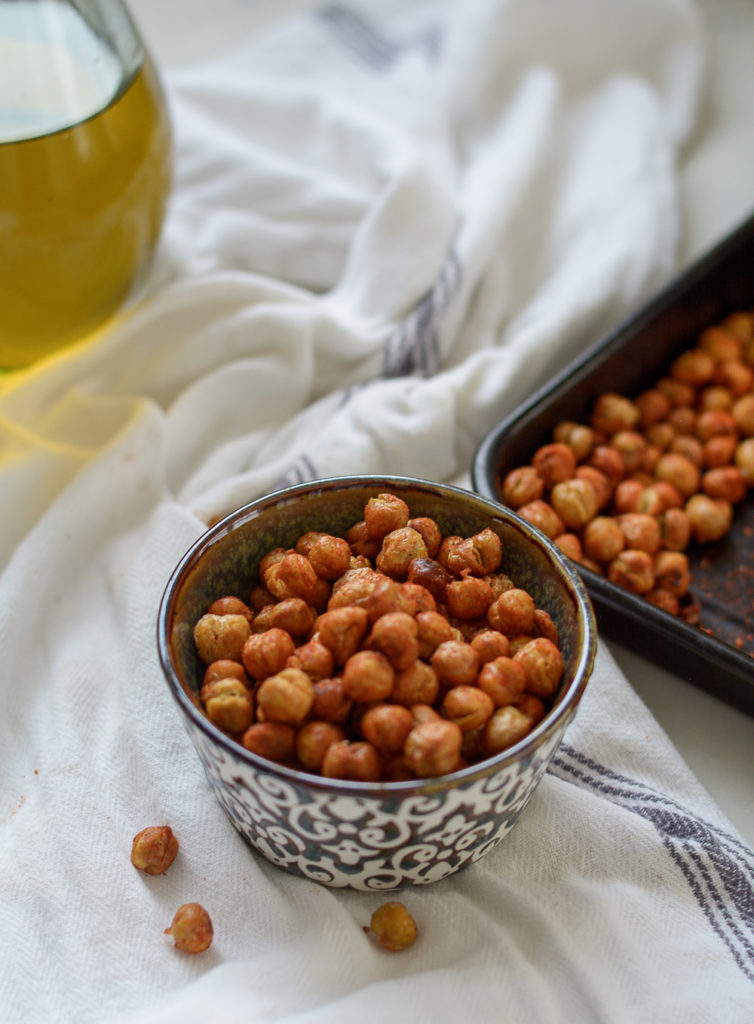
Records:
x=389, y=224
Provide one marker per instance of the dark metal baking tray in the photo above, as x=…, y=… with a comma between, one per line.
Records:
x=717, y=655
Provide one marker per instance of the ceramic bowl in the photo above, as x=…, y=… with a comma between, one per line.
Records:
x=357, y=835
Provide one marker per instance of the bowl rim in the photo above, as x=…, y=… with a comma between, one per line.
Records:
x=557, y=716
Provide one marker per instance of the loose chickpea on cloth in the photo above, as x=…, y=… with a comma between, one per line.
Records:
x=390, y=222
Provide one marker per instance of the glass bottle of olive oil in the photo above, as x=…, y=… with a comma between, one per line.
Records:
x=85, y=169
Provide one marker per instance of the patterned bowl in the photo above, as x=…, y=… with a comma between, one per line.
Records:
x=362, y=835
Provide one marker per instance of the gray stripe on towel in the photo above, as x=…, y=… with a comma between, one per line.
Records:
x=717, y=867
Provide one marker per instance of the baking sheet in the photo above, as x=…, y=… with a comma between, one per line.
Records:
x=718, y=654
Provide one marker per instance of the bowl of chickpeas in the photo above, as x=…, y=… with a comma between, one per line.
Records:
x=375, y=673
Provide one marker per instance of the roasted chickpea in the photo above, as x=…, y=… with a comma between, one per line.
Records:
x=221, y=637
x=542, y=663
x=447, y=552
x=512, y=612
x=384, y=514
x=632, y=446
x=230, y=606
x=715, y=397
x=602, y=486
x=714, y=422
x=675, y=529
x=430, y=533
x=544, y=625
x=293, y=615
x=271, y=558
x=658, y=497
x=744, y=459
x=329, y=556
x=433, y=748
x=719, y=450
x=663, y=599
x=292, y=576
x=679, y=471
x=259, y=598
x=432, y=629
x=522, y=485
x=368, y=676
x=672, y=573
x=695, y=367
x=743, y=415
x=578, y=437
x=356, y=762
x=313, y=740
x=575, y=501
x=544, y=517
x=341, y=630
x=417, y=684
x=661, y=435
x=653, y=407
x=683, y=418
x=386, y=727
x=740, y=324
x=415, y=598
x=554, y=463
x=360, y=543
x=735, y=376
x=286, y=697
x=399, y=549
x=721, y=344
x=313, y=658
x=265, y=654
x=490, y=644
x=154, y=849
x=330, y=701
x=455, y=662
x=642, y=532
x=678, y=392
x=191, y=928
x=633, y=570
x=396, y=635
x=531, y=706
x=274, y=740
x=710, y=518
x=354, y=587
x=690, y=447
x=609, y=462
x=503, y=680
x=570, y=545
x=428, y=573
x=467, y=706
x=627, y=495
x=612, y=413
x=229, y=704
x=478, y=555
x=225, y=669
x=603, y=539
x=469, y=597
x=724, y=482
x=507, y=726
x=392, y=926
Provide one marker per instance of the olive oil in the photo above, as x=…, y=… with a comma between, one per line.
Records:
x=85, y=169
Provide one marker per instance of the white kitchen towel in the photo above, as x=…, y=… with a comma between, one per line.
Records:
x=390, y=223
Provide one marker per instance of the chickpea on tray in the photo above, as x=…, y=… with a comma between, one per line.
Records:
x=392, y=653
x=627, y=491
